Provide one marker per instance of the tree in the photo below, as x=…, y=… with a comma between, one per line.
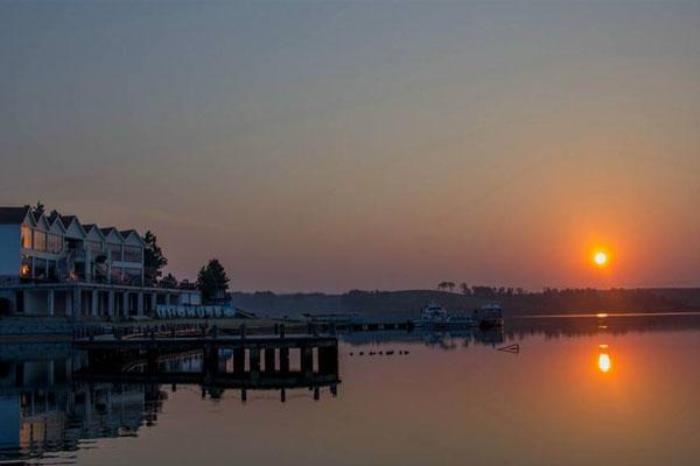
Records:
x=446, y=285
x=212, y=281
x=450, y=286
x=465, y=289
x=153, y=259
x=39, y=208
x=169, y=281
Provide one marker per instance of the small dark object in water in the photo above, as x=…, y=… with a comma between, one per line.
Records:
x=352, y=354
x=514, y=348
x=371, y=353
x=390, y=352
x=362, y=353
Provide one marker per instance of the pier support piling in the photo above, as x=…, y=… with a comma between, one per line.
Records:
x=284, y=360
x=269, y=360
x=307, y=360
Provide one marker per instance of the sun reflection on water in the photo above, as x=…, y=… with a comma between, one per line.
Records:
x=604, y=360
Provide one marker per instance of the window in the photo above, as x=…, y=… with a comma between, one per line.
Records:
x=26, y=237
x=116, y=275
x=133, y=254
x=115, y=251
x=93, y=246
x=55, y=243
x=39, y=240
x=132, y=277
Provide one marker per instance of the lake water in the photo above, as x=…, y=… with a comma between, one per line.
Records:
x=587, y=390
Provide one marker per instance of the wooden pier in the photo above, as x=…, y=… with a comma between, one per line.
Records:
x=227, y=362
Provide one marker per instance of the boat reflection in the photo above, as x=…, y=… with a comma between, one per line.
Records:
x=447, y=340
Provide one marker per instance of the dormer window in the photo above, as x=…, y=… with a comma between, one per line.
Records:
x=133, y=254
x=55, y=243
x=39, y=240
x=26, y=237
x=115, y=251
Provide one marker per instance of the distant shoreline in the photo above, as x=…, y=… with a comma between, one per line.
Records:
x=408, y=303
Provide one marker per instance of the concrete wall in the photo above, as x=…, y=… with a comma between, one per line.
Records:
x=10, y=250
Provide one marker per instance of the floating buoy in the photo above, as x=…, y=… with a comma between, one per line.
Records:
x=513, y=349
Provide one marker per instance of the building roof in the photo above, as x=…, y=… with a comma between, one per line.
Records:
x=66, y=219
x=129, y=234
x=54, y=217
x=112, y=231
x=126, y=233
x=16, y=215
x=13, y=215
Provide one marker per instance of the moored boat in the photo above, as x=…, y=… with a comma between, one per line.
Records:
x=489, y=316
x=434, y=316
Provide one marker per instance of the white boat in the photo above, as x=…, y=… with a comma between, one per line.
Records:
x=435, y=316
x=489, y=316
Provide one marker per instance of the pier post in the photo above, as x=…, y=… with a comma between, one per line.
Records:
x=283, y=396
x=307, y=360
x=328, y=359
x=152, y=361
x=269, y=359
x=239, y=360
x=284, y=360
x=254, y=362
x=211, y=360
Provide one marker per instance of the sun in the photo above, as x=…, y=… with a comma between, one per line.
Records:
x=600, y=258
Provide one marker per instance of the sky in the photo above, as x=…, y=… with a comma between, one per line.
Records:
x=326, y=146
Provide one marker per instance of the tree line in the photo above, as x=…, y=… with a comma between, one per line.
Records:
x=212, y=280
x=481, y=290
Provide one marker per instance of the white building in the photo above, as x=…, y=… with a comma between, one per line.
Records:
x=56, y=266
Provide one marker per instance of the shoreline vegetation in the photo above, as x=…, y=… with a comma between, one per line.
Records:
x=408, y=303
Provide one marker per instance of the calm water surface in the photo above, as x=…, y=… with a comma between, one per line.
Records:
x=581, y=391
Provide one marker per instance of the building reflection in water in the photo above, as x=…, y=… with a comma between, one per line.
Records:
x=61, y=404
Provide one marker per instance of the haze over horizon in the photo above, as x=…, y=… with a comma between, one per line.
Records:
x=331, y=146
